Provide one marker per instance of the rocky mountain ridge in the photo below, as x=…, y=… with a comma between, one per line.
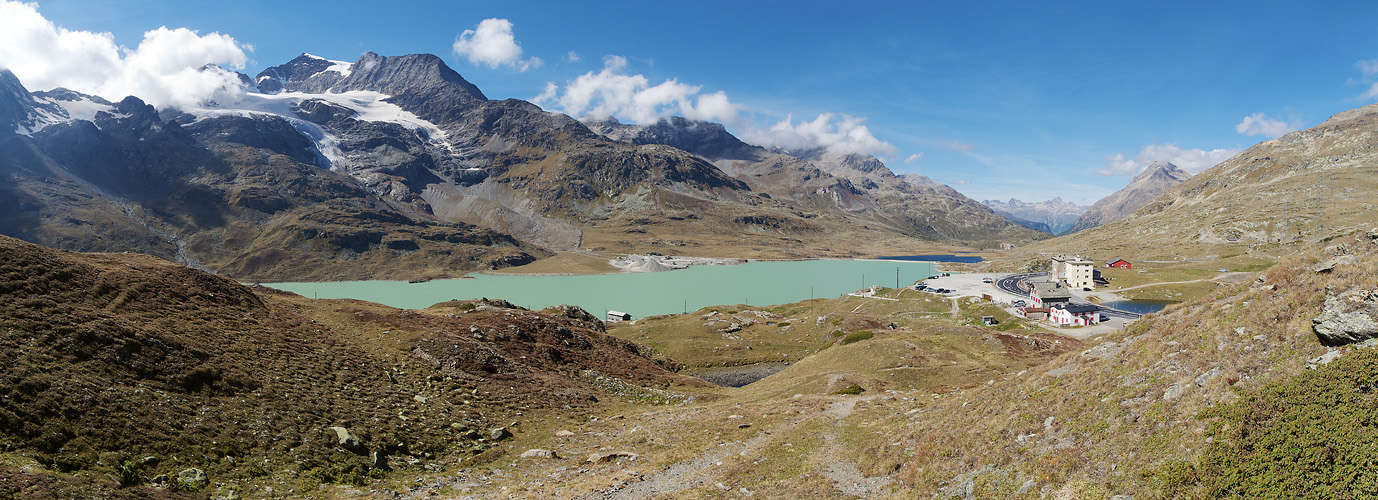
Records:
x=1154, y=180
x=861, y=186
x=408, y=141
x=239, y=195
x=1053, y=216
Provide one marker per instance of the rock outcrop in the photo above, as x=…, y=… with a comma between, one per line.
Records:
x=1348, y=318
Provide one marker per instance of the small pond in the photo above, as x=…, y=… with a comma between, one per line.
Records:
x=1139, y=306
x=961, y=259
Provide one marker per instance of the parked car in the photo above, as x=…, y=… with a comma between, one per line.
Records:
x=1020, y=303
x=1104, y=318
x=1085, y=289
x=987, y=280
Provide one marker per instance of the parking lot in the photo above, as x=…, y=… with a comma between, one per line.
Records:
x=972, y=285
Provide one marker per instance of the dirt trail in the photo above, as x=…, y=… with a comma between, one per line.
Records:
x=845, y=475
x=699, y=472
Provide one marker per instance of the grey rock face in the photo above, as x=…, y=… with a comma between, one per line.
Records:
x=15, y=103
x=1348, y=318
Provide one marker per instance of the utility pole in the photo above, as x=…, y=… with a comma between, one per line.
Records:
x=897, y=278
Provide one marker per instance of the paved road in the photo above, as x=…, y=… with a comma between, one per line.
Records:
x=1012, y=284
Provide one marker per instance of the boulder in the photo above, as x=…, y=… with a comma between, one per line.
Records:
x=1348, y=318
x=608, y=456
x=1333, y=262
x=563, y=433
x=193, y=479
x=540, y=453
x=347, y=439
x=499, y=434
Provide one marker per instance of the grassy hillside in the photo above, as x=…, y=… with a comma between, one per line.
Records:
x=121, y=368
x=1134, y=414
x=1277, y=198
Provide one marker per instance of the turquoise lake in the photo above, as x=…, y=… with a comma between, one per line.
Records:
x=640, y=294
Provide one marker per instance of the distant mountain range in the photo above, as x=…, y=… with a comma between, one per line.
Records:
x=393, y=166
x=1147, y=185
x=1054, y=216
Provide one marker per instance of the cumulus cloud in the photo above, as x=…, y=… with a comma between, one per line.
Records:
x=913, y=158
x=612, y=92
x=573, y=56
x=1259, y=124
x=846, y=134
x=170, y=67
x=616, y=92
x=492, y=44
x=1193, y=161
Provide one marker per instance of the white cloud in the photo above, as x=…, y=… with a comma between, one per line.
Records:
x=1260, y=124
x=168, y=68
x=954, y=145
x=960, y=182
x=573, y=56
x=1193, y=161
x=1368, y=67
x=492, y=44
x=613, y=92
x=845, y=136
x=913, y=158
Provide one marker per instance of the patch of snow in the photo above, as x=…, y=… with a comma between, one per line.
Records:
x=341, y=67
x=83, y=109
x=56, y=111
x=370, y=106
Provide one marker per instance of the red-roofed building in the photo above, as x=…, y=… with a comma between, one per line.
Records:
x=1120, y=263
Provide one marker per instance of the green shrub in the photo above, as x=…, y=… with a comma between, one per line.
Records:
x=254, y=470
x=127, y=474
x=850, y=390
x=857, y=337
x=782, y=324
x=1314, y=435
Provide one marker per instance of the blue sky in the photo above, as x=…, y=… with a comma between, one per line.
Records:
x=998, y=99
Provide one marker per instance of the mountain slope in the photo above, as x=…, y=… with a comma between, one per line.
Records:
x=856, y=187
x=511, y=166
x=1053, y=216
x=1147, y=185
x=111, y=358
x=1271, y=199
x=237, y=195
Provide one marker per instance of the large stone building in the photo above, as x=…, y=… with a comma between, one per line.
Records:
x=1076, y=271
